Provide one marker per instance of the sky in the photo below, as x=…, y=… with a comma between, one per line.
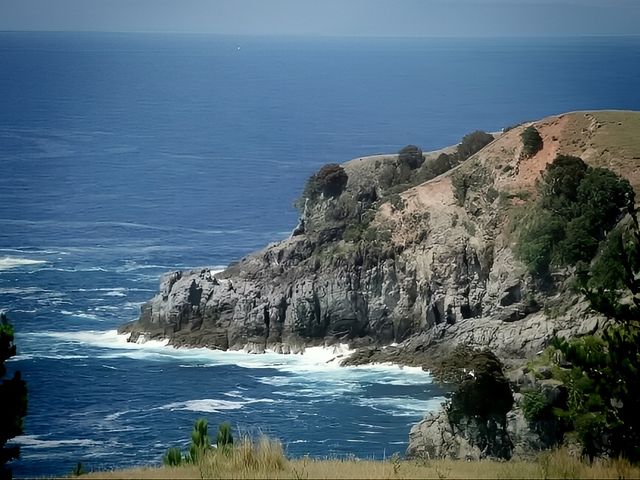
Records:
x=448, y=18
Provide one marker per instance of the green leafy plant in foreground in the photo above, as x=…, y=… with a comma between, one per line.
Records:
x=224, y=438
x=200, y=442
x=173, y=457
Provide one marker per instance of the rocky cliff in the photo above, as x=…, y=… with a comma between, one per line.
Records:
x=389, y=258
x=431, y=265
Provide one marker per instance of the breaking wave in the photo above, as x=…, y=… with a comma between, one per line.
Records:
x=7, y=263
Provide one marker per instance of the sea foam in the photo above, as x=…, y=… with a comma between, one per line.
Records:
x=7, y=263
x=319, y=366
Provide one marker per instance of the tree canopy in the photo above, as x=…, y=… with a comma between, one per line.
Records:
x=531, y=141
x=578, y=206
x=13, y=393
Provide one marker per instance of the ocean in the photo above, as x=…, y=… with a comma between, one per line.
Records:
x=124, y=156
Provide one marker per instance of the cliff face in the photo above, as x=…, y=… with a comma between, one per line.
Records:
x=432, y=266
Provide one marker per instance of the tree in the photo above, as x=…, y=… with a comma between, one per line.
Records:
x=473, y=142
x=559, y=185
x=411, y=156
x=604, y=392
x=329, y=181
x=531, y=141
x=13, y=392
x=480, y=400
x=578, y=207
x=603, y=406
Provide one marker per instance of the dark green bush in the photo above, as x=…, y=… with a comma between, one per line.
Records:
x=472, y=143
x=200, y=442
x=484, y=390
x=78, y=470
x=224, y=438
x=411, y=156
x=534, y=405
x=603, y=405
x=173, y=457
x=578, y=205
x=559, y=185
x=329, y=181
x=531, y=141
x=13, y=395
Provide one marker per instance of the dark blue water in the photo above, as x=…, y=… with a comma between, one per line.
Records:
x=124, y=156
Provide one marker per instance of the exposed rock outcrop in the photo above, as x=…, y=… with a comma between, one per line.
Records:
x=430, y=267
x=433, y=269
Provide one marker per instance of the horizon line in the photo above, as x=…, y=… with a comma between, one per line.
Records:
x=322, y=35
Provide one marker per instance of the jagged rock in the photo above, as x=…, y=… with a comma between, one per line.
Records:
x=436, y=437
x=445, y=274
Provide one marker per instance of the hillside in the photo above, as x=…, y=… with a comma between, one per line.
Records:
x=431, y=265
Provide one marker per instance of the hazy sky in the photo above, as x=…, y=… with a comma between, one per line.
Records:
x=329, y=17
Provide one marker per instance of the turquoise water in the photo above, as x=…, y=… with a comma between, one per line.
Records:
x=124, y=156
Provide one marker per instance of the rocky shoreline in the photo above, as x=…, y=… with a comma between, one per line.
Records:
x=402, y=272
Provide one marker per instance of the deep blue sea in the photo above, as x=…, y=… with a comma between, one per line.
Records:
x=124, y=156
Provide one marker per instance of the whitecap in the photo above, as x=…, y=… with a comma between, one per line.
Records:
x=206, y=405
x=116, y=292
x=114, y=416
x=210, y=405
x=402, y=406
x=7, y=263
x=35, y=441
x=88, y=316
x=22, y=290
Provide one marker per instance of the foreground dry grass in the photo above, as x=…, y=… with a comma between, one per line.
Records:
x=265, y=459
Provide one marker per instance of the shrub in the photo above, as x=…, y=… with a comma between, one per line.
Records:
x=460, y=183
x=559, y=184
x=329, y=181
x=224, y=438
x=472, y=143
x=200, y=442
x=531, y=141
x=173, y=457
x=483, y=391
x=534, y=405
x=442, y=164
x=604, y=395
x=411, y=156
x=578, y=205
x=78, y=470
x=465, y=179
